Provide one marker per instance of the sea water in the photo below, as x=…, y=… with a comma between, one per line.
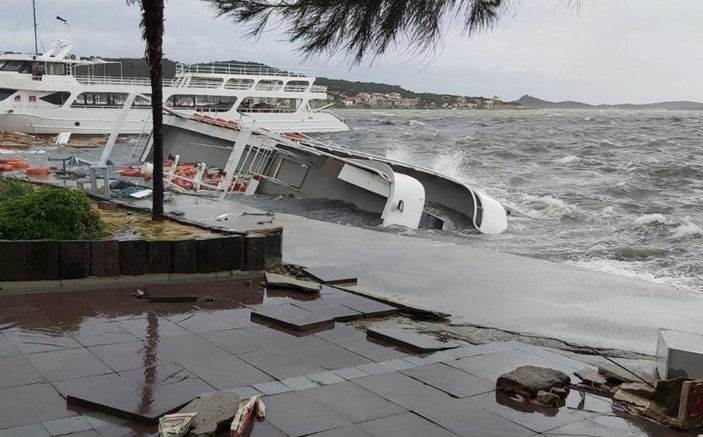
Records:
x=614, y=191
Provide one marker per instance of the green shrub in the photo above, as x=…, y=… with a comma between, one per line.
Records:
x=51, y=214
x=10, y=189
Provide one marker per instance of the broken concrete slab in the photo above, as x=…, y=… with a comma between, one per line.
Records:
x=331, y=275
x=368, y=307
x=214, y=412
x=142, y=395
x=276, y=280
x=528, y=381
x=409, y=339
x=291, y=317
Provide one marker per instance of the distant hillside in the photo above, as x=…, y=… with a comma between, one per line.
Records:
x=535, y=103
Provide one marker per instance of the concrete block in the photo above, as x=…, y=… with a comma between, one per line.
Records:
x=274, y=248
x=254, y=252
x=159, y=256
x=133, y=257
x=211, y=255
x=233, y=248
x=13, y=261
x=185, y=256
x=105, y=258
x=679, y=354
x=74, y=259
x=42, y=260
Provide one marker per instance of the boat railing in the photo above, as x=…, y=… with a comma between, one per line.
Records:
x=129, y=81
x=243, y=69
x=318, y=89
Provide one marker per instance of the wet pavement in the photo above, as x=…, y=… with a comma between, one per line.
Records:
x=104, y=363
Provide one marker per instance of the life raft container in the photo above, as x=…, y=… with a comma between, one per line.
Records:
x=38, y=171
x=18, y=164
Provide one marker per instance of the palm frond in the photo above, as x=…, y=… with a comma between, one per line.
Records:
x=360, y=27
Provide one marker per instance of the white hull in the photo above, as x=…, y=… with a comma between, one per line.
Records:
x=52, y=121
x=67, y=99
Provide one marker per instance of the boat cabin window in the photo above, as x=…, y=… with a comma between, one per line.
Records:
x=297, y=86
x=58, y=98
x=269, y=85
x=141, y=102
x=206, y=82
x=239, y=84
x=56, y=69
x=5, y=93
x=269, y=104
x=99, y=100
x=201, y=103
x=18, y=66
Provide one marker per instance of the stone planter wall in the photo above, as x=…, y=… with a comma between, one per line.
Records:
x=43, y=260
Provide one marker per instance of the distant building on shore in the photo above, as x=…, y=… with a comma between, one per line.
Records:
x=429, y=101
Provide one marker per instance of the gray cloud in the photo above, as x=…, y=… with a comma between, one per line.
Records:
x=608, y=51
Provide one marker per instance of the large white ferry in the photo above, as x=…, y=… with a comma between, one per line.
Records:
x=78, y=96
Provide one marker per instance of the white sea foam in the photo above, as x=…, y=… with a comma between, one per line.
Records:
x=687, y=229
x=629, y=270
x=416, y=122
x=567, y=159
x=546, y=207
x=647, y=219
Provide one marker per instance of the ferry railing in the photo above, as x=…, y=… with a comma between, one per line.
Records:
x=133, y=81
x=318, y=89
x=243, y=69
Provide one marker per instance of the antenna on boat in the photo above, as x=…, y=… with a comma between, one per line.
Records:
x=34, y=12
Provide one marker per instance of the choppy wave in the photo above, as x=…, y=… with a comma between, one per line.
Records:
x=614, y=191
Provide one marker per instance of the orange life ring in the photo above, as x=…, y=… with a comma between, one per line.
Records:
x=18, y=164
x=6, y=167
x=37, y=171
x=294, y=136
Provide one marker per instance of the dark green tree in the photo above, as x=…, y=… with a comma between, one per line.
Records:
x=361, y=27
x=152, y=25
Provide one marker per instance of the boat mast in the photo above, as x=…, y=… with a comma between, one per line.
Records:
x=34, y=12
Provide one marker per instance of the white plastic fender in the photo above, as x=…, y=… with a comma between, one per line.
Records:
x=405, y=203
x=494, y=220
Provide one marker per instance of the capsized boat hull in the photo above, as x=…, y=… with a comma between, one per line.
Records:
x=401, y=193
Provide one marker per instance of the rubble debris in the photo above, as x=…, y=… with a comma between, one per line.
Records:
x=550, y=399
x=528, y=381
x=675, y=402
x=244, y=418
x=213, y=413
x=175, y=425
x=591, y=377
x=275, y=280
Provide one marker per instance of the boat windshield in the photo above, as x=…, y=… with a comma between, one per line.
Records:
x=17, y=66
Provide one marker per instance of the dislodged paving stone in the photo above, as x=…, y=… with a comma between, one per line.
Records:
x=275, y=280
x=409, y=339
x=299, y=383
x=272, y=388
x=528, y=381
x=325, y=378
x=213, y=412
x=350, y=373
x=549, y=399
x=292, y=317
x=331, y=275
x=67, y=425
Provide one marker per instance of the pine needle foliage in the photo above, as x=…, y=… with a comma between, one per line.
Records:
x=361, y=27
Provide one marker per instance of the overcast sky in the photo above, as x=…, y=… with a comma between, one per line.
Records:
x=607, y=51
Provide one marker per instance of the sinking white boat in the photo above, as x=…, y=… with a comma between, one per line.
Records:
x=252, y=160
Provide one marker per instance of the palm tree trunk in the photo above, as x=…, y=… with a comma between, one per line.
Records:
x=153, y=25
